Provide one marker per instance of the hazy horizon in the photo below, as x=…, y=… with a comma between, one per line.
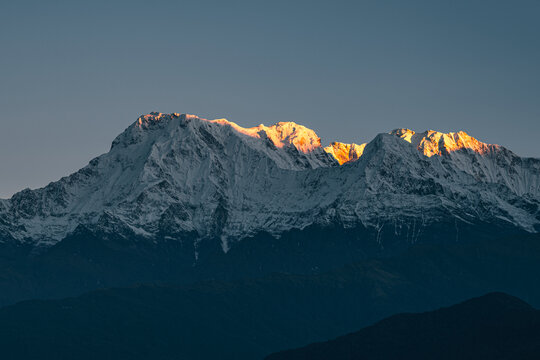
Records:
x=76, y=74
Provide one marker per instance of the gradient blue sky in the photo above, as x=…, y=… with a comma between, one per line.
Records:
x=75, y=74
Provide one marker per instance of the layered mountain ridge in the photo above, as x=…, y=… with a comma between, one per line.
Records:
x=493, y=326
x=174, y=174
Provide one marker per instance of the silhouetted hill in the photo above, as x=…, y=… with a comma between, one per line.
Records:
x=248, y=319
x=493, y=326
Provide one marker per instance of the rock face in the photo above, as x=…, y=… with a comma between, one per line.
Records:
x=172, y=174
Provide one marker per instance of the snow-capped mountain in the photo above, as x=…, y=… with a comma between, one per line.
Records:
x=171, y=174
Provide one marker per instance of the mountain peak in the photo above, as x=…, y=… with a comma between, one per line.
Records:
x=281, y=134
x=289, y=133
x=403, y=133
x=148, y=120
x=432, y=142
x=345, y=153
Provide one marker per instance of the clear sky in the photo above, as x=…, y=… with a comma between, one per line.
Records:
x=74, y=74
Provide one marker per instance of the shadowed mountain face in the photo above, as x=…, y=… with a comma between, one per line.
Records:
x=494, y=326
x=87, y=260
x=252, y=318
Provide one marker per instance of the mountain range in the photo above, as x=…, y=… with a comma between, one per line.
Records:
x=180, y=198
x=176, y=174
x=195, y=239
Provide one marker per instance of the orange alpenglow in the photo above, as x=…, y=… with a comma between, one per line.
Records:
x=433, y=142
x=345, y=153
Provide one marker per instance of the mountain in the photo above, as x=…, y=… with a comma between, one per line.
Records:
x=493, y=326
x=181, y=199
x=259, y=239
x=178, y=176
x=251, y=318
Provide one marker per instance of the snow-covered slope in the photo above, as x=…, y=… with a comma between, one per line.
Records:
x=170, y=174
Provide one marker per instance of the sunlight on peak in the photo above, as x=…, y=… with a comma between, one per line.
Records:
x=432, y=142
x=290, y=134
x=281, y=134
x=405, y=134
x=345, y=153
